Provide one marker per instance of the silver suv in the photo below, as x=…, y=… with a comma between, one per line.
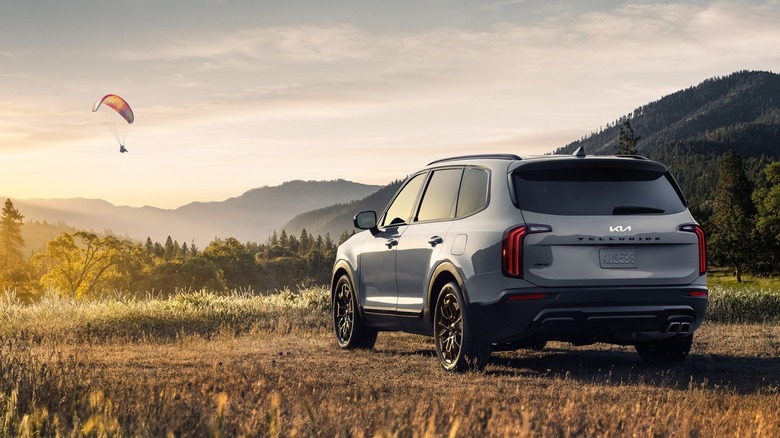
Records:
x=497, y=252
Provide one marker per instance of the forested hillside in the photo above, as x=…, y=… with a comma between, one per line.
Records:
x=740, y=110
x=338, y=218
x=691, y=129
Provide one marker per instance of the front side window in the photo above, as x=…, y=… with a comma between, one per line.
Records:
x=440, y=195
x=400, y=210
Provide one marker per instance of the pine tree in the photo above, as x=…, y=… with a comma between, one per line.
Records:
x=304, y=243
x=193, y=249
x=11, y=241
x=733, y=215
x=627, y=141
x=169, y=252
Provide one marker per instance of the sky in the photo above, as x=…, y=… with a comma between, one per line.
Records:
x=231, y=95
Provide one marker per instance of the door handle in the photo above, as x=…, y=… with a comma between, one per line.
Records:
x=391, y=243
x=435, y=240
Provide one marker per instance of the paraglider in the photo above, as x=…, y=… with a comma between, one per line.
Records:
x=117, y=116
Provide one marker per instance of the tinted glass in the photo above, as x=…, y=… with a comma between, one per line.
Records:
x=401, y=209
x=473, y=191
x=440, y=195
x=600, y=191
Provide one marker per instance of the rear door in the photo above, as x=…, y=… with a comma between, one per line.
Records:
x=607, y=223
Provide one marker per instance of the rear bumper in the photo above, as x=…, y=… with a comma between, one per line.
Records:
x=617, y=315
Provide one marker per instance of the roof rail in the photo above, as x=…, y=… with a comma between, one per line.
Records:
x=477, y=156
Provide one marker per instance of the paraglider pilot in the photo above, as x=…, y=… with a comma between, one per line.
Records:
x=122, y=148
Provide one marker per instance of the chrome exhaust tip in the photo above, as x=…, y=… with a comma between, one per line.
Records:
x=674, y=327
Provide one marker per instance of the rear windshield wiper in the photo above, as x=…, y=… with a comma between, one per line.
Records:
x=631, y=209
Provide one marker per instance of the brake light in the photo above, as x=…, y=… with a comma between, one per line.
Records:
x=512, y=248
x=698, y=293
x=699, y=231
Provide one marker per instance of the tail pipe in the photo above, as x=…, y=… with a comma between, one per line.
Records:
x=678, y=328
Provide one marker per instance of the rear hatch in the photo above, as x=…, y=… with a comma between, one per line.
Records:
x=605, y=222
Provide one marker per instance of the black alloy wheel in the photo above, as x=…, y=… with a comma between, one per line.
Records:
x=347, y=323
x=458, y=350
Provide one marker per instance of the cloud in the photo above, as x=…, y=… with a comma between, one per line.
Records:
x=286, y=44
x=630, y=41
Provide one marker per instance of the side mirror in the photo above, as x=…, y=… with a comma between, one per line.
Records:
x=365, y=220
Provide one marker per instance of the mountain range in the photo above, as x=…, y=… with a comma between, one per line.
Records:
x=688, y=130
x=252, y=216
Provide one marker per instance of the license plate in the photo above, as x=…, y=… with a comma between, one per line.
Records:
x=617, y=258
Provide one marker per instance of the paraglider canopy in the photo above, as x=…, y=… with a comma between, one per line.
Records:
x=117, y=104
x=117, y=116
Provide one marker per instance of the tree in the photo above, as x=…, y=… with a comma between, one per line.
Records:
x=733, y=215
x=171, y=249
x=192, y=273
x=767, y=201
x=627, y=140
x=11, y=241
x=304, y=243
x=14, y=271
x=79, y=263
x=235, y=263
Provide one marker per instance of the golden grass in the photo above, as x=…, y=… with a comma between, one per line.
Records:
x=725, y=278
x=268, y=377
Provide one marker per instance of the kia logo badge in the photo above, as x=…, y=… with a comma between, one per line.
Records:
x=620, y=229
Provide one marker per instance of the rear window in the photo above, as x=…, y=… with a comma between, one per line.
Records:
x=596, y=191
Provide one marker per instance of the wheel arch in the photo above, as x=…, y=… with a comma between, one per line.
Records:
x=443, y=274
x=340, y=268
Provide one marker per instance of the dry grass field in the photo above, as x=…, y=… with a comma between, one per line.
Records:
x=202, y=365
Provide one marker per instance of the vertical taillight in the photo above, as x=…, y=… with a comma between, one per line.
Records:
x=512, y=248
x=512, y=252
x=699, y=231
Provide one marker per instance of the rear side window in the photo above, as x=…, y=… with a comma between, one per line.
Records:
x=596, y=191
x=473, y=191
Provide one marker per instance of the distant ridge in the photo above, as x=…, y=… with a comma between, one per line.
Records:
x=253, y=216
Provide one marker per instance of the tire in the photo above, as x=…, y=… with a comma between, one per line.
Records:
x=351, y=332
x=665, y=351
x=457, y=348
